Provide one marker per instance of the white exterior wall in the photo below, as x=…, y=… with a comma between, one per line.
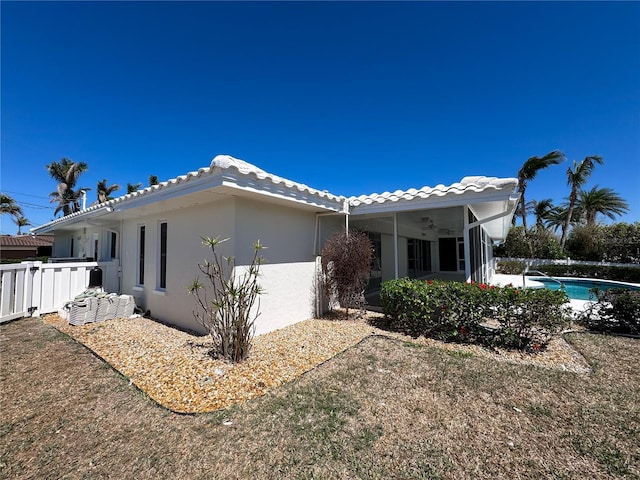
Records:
x=288, y=274
x=185, y=227
x=83, y=243
x=289, y=271
x=61, y=244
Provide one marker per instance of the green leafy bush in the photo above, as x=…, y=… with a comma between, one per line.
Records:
x=527, y=318
x=510, y=267
x=617, y=311
x=619, y=274
x=476, y=313
x=535, y=242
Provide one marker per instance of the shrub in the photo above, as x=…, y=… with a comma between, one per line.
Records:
x=535, y=242
x=346, y=266
x=617, y=311
x=585, y=243
x=442, y=310
x=619, y=274
x=527, y=318
x=225, y=308
x=510, y=267
x=494, y=316
x=621, y=242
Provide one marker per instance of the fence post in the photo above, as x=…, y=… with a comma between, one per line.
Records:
x=35, y=297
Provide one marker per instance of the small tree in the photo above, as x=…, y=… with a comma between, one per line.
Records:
x=346, y=266
x=225, y=307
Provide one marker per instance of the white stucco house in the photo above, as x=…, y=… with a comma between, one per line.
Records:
x=151, y=239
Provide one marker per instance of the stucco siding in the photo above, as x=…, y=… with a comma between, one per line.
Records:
x=286, y=232
x=289, y=269
x=185, y=227
x=289, y=295
x=287, y=275
x=61, y=244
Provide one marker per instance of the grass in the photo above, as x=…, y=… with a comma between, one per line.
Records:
x=380, y=410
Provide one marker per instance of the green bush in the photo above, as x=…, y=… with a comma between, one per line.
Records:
x=476, y=313
x=442, y=310
x=527, y=318
x=617, y=311
x=510, y=267
x=619, y=274
x=535, y=242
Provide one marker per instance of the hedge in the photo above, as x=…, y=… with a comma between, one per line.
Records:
x=475, y=313
x=619, y=274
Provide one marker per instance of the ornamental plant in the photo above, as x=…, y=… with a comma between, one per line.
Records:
x=526, y=317
x=225, y=308
x=346, y=267
x=475, y=313
x=616, y=311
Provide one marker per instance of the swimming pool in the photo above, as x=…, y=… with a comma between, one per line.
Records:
x=579, y=289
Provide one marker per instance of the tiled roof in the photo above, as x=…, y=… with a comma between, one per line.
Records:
x=219, y=164
x=225, y=162
x=26, y=241
x=467, y=184
x=243, y=175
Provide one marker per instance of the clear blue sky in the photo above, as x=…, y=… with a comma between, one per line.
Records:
x=353, y=98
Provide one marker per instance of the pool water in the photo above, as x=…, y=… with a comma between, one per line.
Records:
x=580, y=289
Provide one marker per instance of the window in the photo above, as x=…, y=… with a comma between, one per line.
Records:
x=162, y=260
x=71, y=248
x=418, y=257
x=114, y=245
x=461, y=254
x=141, y=242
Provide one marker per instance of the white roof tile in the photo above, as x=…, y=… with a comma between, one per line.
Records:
x=467, y=184
x=295, y=191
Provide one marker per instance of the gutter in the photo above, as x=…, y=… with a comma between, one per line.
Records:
x=70, y=220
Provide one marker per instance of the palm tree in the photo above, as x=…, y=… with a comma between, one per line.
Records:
x=542, y=210
x=104, y=192
x=600, y=200
x=576, y=178
x=556, y=218
x=153, y=180
x=21, y=222
x=8, y=205
x=66, y=172
x=528, y=171
x=131, y=187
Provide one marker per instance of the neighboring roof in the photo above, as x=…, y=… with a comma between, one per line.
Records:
x=26, y=241
x=227, y=175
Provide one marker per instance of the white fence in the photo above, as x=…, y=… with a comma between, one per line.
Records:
x=36, y=288
x=534, y=262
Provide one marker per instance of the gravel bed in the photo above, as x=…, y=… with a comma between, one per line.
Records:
x=175, y=369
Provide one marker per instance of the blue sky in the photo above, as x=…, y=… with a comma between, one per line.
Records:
x=353, y=98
